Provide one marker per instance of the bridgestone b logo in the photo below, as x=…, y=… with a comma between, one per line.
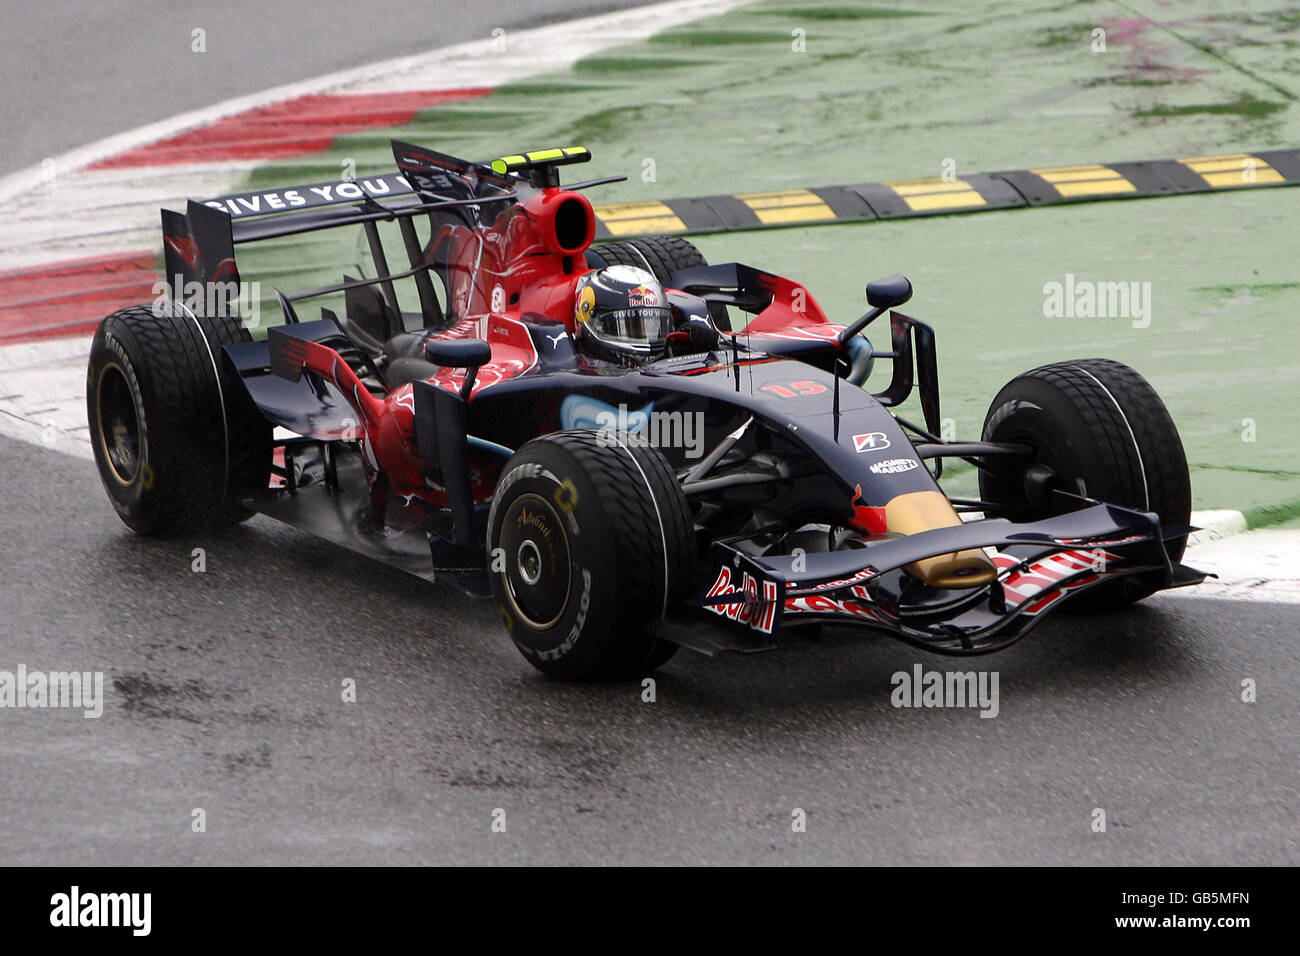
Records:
x=760, y=615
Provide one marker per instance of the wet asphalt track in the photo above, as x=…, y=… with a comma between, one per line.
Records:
x=75, y=72
x=224, y=694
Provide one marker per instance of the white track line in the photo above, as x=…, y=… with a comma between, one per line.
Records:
x=43, y=394
x=1261, y=565
x=101, y=212
x=1215, y=525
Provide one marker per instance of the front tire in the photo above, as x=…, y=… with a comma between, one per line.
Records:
x=662, y=255
x=176, y=437
x=1100, y=430
x=591, y=541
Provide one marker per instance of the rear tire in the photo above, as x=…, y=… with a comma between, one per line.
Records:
x=1104, y=431
x=177, y=438
x=591, y=542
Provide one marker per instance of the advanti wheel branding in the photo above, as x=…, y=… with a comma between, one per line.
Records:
x=530, y=519
x=537, y=574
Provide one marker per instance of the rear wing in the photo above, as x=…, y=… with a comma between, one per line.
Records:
x=284, y=212
x=425, y=179
x=199, y=244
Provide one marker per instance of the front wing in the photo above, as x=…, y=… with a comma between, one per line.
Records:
x=1039, y=564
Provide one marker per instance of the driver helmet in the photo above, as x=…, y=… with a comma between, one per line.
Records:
x=622, y=315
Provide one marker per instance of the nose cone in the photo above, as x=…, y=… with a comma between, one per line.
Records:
x=920, y=511
x=960, y=569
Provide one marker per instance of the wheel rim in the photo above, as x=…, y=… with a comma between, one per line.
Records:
x=537, y=563
x=118, y=425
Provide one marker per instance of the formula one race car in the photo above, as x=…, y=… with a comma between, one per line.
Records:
x=591, y=436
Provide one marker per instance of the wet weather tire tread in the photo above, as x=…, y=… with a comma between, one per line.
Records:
x=664, y=255
x=1145, y=466
x=639, y=504
x=207, y=444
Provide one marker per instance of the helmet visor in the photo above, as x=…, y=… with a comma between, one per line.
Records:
x=643, y=328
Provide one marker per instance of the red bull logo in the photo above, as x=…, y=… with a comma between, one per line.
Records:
x=642, y=295
x=758, y=612
x=866, y=517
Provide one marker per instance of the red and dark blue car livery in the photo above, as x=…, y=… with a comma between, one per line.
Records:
x=442, y=415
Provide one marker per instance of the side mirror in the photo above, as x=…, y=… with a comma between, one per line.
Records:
x=457, y=353
x=468, y=354
x=702, y=332
x=889, y=292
